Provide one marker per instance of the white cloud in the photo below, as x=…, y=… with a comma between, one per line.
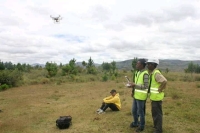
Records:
x=103, y=30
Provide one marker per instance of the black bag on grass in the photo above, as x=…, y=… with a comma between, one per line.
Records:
x=64, y=122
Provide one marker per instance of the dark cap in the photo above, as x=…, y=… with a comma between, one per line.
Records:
x=112, y=91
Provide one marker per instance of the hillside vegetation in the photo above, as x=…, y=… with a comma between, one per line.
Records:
x=172, y=65
x=35, y=106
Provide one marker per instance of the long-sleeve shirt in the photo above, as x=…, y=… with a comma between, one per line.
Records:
x=113, y=99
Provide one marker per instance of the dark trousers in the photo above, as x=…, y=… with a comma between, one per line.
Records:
x=112, y=106
x=157, y=115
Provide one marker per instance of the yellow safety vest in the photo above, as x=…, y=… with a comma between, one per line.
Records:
x=140, y=94
x=154, y=94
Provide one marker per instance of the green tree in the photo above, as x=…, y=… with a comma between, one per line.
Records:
x=61, y=65
x=19, y=67
x=70, y=68
x=37, y=67
x=197, y=70
x=52, y=68
x=106, y=66
x=134, y=62
x=166, y=70
x=9, y=65
x=191, y=68
x=2, y=67
x=91, y=69
x=84, y=63
x=113, y=66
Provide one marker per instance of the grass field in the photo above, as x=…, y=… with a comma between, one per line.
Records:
x=35, y=108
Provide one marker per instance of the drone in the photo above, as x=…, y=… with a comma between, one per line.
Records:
x=56, y=19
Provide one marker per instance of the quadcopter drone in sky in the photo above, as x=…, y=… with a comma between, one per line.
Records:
x=56, y=19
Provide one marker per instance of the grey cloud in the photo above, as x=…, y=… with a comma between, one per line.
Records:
x=115, y=27
x=40, y=10
x=177, y=14
x=192, y=43
x=123, y=45
x=185, y=38
x=7, y=21
x=92, y=48
x=22, y=40
x=166, y=15
x=191, y=29
x=99, y=13
x=9, y=17
x=15, y=50
x=142, y=19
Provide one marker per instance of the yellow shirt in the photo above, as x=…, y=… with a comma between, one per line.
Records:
x=113, y=99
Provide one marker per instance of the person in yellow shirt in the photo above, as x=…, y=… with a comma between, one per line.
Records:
x=113, y=102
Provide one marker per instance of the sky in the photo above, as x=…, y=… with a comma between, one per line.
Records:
x=105, y=30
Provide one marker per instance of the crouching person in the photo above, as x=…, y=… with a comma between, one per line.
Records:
x=113, y=102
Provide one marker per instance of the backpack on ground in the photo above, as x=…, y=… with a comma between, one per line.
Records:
x=64, y=122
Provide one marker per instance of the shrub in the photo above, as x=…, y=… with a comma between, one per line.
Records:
x=116, y=74
x=104, y=78
x=51, y=68
x=197, y=78
x=10, y=77
x=113, y=77
x=198, y=85
x=33, y=82
x=44, y=80
x=4, y=87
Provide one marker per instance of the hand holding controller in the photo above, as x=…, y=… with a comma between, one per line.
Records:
x=128, y=84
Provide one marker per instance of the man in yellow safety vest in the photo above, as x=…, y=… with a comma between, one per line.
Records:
x=140, y=86
x=157, y=83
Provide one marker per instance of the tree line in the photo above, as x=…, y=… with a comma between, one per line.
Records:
x=192, y=68
x=11, y=73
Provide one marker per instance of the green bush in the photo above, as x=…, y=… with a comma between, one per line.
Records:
x=52, y=69
x=44, y=80
x=113, y=77
x=4, y=87
x=104, y=77
x=197, y=78
x=10, y=77
x=198, y=85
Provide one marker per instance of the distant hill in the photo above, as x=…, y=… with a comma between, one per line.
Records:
x=38, y=64
x=172, y=65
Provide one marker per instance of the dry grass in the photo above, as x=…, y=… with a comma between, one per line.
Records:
x=35, y=108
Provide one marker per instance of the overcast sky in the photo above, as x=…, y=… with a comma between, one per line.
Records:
x=105, y=30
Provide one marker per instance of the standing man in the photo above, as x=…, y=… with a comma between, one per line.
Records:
x=140, y=86
x=0, y=110
x=156, y=86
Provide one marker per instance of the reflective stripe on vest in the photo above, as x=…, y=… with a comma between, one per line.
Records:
x=139, y=80
x=154, y=94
